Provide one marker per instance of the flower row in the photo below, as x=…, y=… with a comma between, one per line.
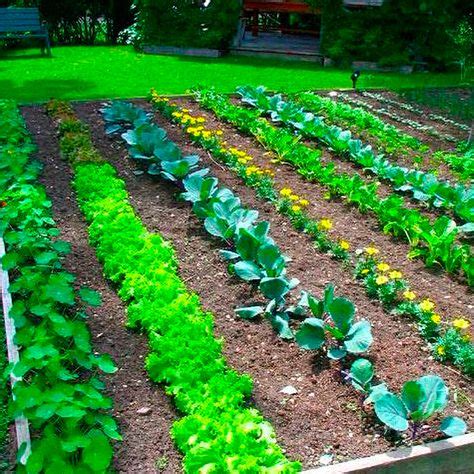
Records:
x=424, y=186
x=434, y=242
x=389, y=288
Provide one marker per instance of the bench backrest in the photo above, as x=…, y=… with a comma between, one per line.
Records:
x=14, y=20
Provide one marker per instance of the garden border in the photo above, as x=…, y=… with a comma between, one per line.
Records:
x=448, y=455
x=21, y=422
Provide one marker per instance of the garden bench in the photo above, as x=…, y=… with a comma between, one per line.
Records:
x=24, y=23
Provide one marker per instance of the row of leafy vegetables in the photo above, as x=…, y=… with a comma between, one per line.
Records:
x=326, y=324
x=219, y=431
x=435, y=242
x=59, y=388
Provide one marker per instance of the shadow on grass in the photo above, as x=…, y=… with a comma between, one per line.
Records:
x=28, y=91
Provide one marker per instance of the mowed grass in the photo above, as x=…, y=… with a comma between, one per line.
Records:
x=104, y=72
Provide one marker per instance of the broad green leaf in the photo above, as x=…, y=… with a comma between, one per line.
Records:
x=362, y=372
x=280, y=323
x=89, y=296
x=98, y=454
x=70, y=411
x=248, y=271
x=249, y=312
x=413, y=395
x=342, y=312
x=391, y=411
x=270, y=257
x=337, y=353
x=274, y=288
x=310, y=335
x=106, y=364
x=453, y=426
x=376, y=392
x=359, y=338
x=59, y=289
x=436, y=395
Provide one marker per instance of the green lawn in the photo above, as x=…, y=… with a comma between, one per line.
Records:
x=100, y=72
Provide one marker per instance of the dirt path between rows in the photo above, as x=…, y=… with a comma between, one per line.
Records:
x=323, y=415
x=146, y=439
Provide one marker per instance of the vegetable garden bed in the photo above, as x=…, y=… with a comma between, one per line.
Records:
x=314, y=403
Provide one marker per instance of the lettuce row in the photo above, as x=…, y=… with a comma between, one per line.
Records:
x=59, y=390
x=424, y=187
x=219, y=432
x=434, y=243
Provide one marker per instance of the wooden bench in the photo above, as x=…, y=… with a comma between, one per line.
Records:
x=24, y=23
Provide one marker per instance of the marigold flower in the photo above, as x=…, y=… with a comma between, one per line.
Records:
x=242, y=161
x=285, y=192
x=436, y=318
x=294, y=198
x=466, y=338
x=427, y=305
x=325, y=224
x=219, y=132
x=304, y=202
x=371, y=251
x=365, y=271
x=296, y=208
x=200, y=120
x=409, y=295
x=395, y=275
x=381, y=280
x=383, y=267
x=461, y=323
x=440, y=350
x=344, y=245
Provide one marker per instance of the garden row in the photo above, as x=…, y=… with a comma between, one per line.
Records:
x=254, y=257
x=383, y=282
x=212, y=396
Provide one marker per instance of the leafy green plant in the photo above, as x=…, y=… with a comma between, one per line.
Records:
x=334, y=316
x=418, y=402
x=60, y=391
x=184, y=354
x=394, y=217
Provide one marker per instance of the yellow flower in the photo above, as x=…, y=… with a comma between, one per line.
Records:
x=440, y=350
x=219, y=132
x=436, y=318
x=365, y=271
x=383, y=267
x=372, y=251
x=409, y=295
x=461, y=323
x=381, y=280
x=177, y=114
x=242, y=161
x=294, y=198
x=185, y=110
x=304, y=202
x=285, y=192
x=327, y=196
x=325, y=224
x=427, y=305
x=344, y=245
x=296, y=208
x=395, y=275
x=200, y=120
x=466, y=338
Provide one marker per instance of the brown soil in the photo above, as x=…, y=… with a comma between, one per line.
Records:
x=407, y=159
x=433, y=142
x=324, y=414
x=452, y=296
x=146, y=439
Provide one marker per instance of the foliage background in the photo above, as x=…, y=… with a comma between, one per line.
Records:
x=188, y=22
x=81, y=21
